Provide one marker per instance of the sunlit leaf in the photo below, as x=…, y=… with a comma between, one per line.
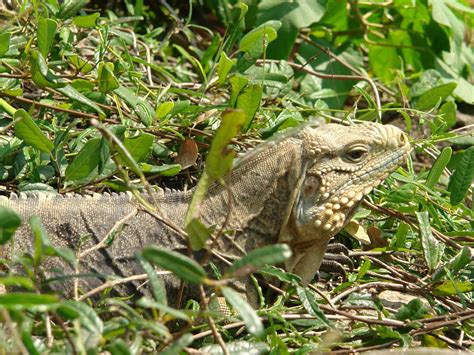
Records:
x=85, y=162
x=9, y=222
x=462, y=177
x=27, y=130
x=249, y=316
x=184, y=267
x=46, y=32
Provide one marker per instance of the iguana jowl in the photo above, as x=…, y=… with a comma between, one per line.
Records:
x=300, y=188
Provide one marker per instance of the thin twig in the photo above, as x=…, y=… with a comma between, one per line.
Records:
x=16, y=336
x=112, y=283
x=211, y=323
x=103, y=242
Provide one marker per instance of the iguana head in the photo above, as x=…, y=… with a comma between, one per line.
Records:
x=343, y=165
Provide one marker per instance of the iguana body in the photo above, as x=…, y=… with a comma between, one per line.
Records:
x=300, y=188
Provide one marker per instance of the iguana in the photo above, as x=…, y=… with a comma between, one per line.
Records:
x=299, y=188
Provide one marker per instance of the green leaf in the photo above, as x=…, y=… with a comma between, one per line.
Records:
x=71, y=7
x=238, y=347
x=86, y=161
x=41, y=241
x=17, y=281
x=249, y=102
x=258, y=39
x=9, y=222
x=194, y=62
x=4, y=42
x=281, y=275
x=80, y=64
x=415, y=309
x=87, y=20
x=139, y=146
x=432, y=97
x=448, y=113
x=432, y=249
x=254, y=260
x=224, y=67
x=163, y=109
x=448, y=288
x=178, y=345
x=141, y=107
x=444, y=15
x=198, y=234
x=40, y=73
x=106, y=77
x=460, y=261
x=219, y=159
x=28, y=301
x=174, y=313
x=364, y=268
x=72, y=93
x=119, y=347
x=462, y=177
x=238, y=82
x=293, y=15
x=46, y=32
x=247, y=313
x=182, y=266
x=309, y=303
x=163, y=170
x=27, y=130
x=90, y=320
x=384, y=61
x=157, y=284
x=44, y=247
x=438, y=167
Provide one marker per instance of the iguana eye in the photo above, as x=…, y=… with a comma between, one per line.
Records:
x=355, y=154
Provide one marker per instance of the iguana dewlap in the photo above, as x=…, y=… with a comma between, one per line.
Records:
x=299, y=188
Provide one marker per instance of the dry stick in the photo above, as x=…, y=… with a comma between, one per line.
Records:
x=333, y=77
x=16, y=336
x=386, y=285
x=445, y=316
x=40, y=104
x=103, y=242
x=437, y=325
x=49, y=332
x=113, y=283
x=341, y=315
x=226, y=327
x=11, y=124
x=13, y=76
x=366, y=319
x=342, y=62
x=66, y=332
x=393, y=213
x=211, y=323
x=388, y=277
x=451, y=342
x=363, y=349
x=400, y=273
x=100, y=245
x=322, y=295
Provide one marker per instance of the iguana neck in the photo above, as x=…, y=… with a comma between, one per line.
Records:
x=253, y=205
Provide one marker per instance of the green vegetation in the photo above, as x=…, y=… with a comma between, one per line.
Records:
x=107, y=99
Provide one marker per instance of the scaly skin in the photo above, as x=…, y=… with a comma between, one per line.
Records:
x=299, y=188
